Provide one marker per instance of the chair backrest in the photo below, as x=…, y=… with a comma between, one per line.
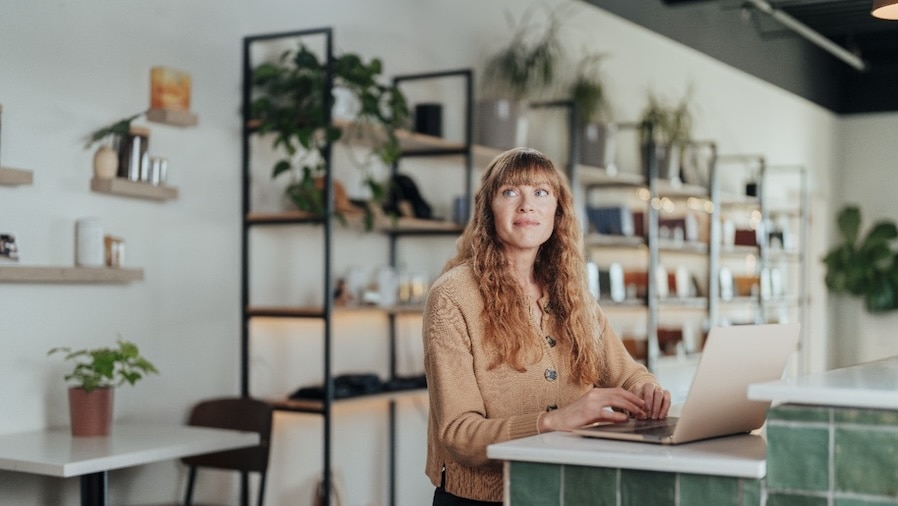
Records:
x=238, y=413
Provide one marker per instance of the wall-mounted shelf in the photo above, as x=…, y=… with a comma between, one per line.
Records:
x=175, y=118
x=383, y=224
x=46, y=274
x=126, y=188
x=317, y=406
x=15, y=177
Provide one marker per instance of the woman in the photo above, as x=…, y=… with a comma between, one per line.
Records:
x=514, y=344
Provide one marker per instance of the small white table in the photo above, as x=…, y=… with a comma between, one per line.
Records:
x=54, y=452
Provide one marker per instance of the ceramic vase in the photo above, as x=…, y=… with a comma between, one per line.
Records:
x=90, y=413
x=501, y=124
x=105, y=162
x=598, y=146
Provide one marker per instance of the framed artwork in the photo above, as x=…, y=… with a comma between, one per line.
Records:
x=169, y=89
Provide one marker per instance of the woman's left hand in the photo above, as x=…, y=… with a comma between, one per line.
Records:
x=657, y=401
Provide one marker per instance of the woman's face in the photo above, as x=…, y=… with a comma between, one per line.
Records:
x=524, y=215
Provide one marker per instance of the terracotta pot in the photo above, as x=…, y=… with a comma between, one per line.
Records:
x=91, y=412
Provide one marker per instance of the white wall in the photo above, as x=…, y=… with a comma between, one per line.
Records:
x=69, y=66
x=866, y=162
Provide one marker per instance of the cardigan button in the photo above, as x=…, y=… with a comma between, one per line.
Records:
x=551, y=374
x=552, y=342
x=551, y=407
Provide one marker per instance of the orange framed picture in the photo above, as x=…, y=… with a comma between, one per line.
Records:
x=169, y=89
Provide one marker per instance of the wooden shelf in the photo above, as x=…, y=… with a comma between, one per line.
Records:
x=385, y=224
x=15, y=177
x=318, y=311
x=615, y=241
x=174, y=118
x=317, y=406
x=126, y=188
x=46, y=274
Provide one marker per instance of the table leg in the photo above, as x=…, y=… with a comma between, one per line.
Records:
x=94, y=489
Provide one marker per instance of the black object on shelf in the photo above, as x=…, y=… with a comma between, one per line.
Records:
x=345, y=386
x=429, y=119
x=400, y=383
x=403, y=192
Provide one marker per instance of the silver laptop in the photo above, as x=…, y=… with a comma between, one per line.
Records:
x=717, y=405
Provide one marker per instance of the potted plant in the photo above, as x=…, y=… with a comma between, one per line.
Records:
x=107, y=158
x=524, y=69
x=864, y=267
x=672, y=131
x=597, y=132
x=291, y=102
x=95, y=374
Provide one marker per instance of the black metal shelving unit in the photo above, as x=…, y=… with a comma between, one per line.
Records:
x=466, y=151
x=413, y=145
x=325, y=313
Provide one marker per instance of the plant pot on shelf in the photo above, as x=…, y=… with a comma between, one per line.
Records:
x=105, y=162
x=598, y=146
x=501, y=123
x=90, y=413
x=668, y=158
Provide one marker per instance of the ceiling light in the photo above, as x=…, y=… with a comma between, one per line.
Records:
x=885, y=9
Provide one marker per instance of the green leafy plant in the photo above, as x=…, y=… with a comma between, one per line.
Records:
x=106, y=367
x=291, y=103
x=588, y=90
x=865, y=266
x=120, y=128
x=528, y=65
x=672, y=121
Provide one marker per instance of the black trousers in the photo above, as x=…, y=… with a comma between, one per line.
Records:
x=443, y=498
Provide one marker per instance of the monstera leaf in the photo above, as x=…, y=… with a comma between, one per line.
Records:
x=865, y=267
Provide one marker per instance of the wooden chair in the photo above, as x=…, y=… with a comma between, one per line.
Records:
x=238, y=413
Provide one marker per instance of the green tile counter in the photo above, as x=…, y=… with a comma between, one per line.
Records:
x=831, y=440
x=562, y=469
x=833, y=437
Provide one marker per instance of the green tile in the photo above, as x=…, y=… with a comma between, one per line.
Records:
x=701, y=489
x=590, y=486
x=780, y=499
x=866, y=416
x=534, y=484
x=639, y=488
x=797, y=458
x=798, y=413
x=863, y=502
x=866, y=462
x=751, y=493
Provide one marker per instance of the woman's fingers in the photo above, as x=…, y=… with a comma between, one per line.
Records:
x=657, y=401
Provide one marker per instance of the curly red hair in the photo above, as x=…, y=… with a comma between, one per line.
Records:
x=559, y=268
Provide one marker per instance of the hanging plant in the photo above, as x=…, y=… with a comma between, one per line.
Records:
x=864, y=267
x=588, y=90
x=291, y=102
x=530, y=63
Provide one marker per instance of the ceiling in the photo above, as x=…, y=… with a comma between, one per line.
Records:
x=743, y=34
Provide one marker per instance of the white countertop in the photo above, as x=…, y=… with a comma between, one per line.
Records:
x=742, y=456
x=54, y=452
x=870, y=385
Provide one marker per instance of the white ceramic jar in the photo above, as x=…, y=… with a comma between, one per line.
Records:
x=89, y=251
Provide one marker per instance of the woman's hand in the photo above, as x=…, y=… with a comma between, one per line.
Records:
x=593, y=407
x=656, y=401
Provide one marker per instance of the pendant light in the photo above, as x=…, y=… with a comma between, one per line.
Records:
x=885, y=9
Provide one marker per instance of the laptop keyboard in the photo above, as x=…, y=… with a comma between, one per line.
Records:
x=662, y=431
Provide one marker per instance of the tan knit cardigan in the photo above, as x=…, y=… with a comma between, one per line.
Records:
x=472, y=407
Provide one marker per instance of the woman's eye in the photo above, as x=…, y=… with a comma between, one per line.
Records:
x=508, y=192
x=541, y=193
